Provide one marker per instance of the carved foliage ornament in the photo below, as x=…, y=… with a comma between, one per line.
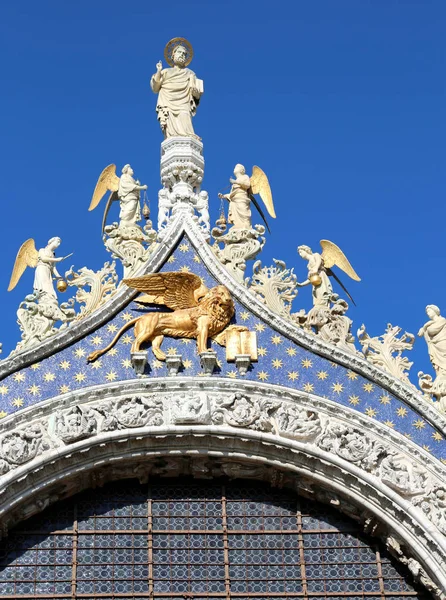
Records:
x=388, y=464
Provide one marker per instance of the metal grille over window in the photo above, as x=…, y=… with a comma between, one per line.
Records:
x=183, y=539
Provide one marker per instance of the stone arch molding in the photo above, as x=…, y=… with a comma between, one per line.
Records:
x=212, y=427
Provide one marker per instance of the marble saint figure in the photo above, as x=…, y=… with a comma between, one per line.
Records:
x=179, y=92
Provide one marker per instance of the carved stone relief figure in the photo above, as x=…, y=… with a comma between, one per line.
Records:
x=75, y=424
x=295, y=422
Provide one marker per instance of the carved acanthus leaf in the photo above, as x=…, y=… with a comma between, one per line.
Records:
x=94, y=288
x=385, y=351
x=275, y=285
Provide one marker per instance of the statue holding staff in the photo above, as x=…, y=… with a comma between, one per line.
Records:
x=179, y=90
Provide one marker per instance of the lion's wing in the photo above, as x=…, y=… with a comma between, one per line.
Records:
x=175, y=290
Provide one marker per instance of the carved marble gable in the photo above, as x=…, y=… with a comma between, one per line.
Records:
x=281, y=362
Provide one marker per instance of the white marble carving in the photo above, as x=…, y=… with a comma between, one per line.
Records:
x=136, y=411
x=239, y=245
x=298, y=423
x=94, y=288
x=351, y=444
x=394, y=546
x=190, y=408
x=241, y=411
x=75, y=424
x=275, y=286
x=37, y=317
x=20, y=446
x=179, y=92
x=402, y=475
x=182, y=170
x=434, y=333
x=130, y=244
x=330, y=322
x=385, y=351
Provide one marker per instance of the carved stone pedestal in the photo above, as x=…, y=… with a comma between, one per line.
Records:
x=182, y=170
x=208, y=361
x=243, y=362
x=173, y=363
x=182, y=164
x=139, y=362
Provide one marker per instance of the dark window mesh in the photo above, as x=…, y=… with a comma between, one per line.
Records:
x=183, y=539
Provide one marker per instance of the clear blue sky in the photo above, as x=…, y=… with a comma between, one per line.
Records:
x=342, y=103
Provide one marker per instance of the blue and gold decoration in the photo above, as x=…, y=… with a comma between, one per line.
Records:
x=280, y=362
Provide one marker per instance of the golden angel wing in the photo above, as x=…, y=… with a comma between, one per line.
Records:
x=27, y=256
x=175, y=290
x=333, y=255
x=108, y=180
x=260, y=185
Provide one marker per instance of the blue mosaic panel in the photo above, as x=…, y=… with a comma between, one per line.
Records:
x=126, y=541
x=280, y=362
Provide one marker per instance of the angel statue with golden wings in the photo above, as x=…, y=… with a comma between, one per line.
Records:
x=242, y=194
x=319, y=271
x=125, y=189
x=44, y=261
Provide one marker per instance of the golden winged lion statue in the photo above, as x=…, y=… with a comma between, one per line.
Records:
x=198, y=312
x=320, y=270
x=242, y=193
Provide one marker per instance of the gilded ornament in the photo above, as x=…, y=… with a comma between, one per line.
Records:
x=173, y=45
x=315, y=279
x=199, y=313
x=61, y=285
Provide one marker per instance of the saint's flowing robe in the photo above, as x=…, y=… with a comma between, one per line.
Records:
x=176, y=103
x=435, y=336
x=128, y=194
x=239, y=213
x=43, y=277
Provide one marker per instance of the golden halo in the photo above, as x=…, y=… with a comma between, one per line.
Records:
x=174, y=43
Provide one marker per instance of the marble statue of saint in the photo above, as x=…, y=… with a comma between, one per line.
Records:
x=320, y=270
x=44, y=261
x=239, y=214
x=243, y=188
x=317, y=276
x=126, y=189
x=128, y=194
x=46, y=269
x=179, y=90
x=434, y=332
